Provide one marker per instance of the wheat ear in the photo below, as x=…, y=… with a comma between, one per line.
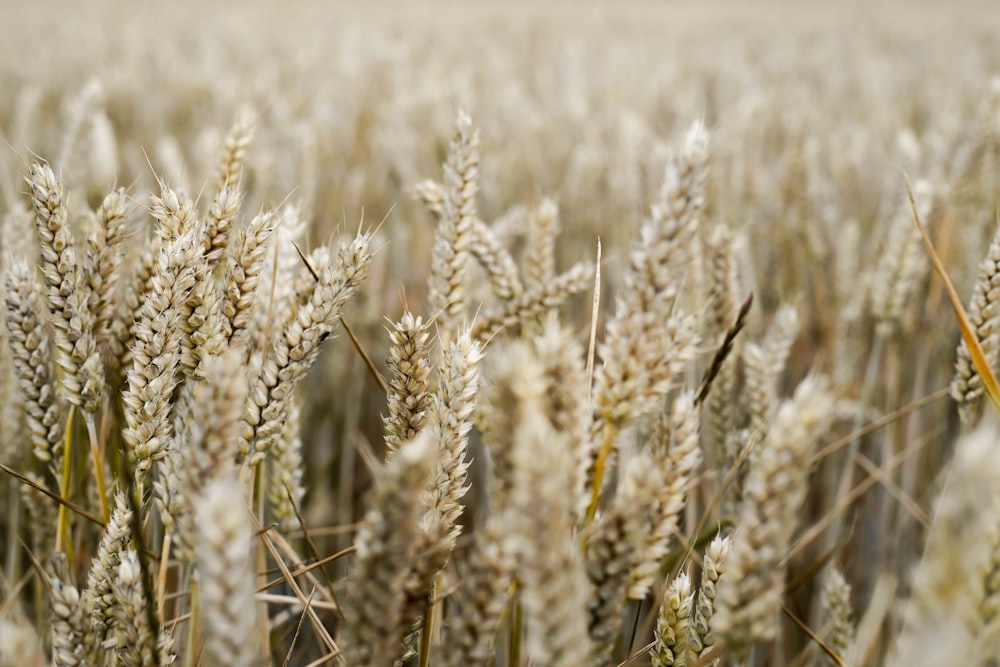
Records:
x=98, y=598
x=29, y=345
x=640, y=354
x=223, y=552
x=552, y=582
x=409, y=370
x=294, y=349
x=942, y=616
x=156, y=353
x=701, y=638
x=837, y=628
x=670, y=639
x=384, y=546
x=446, y=287
x=68, y=293
x=984, y=315
x=749, y=597
x=674, y=450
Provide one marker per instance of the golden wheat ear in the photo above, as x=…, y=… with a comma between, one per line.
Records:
x=982, y=366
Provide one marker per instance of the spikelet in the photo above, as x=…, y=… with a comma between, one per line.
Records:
x=277, y=282
x=137, y=646
x=79, y=110
x=723, y=308
x=501, y=406
x=540, y=256
x=104, y=261
x=528, y=306
x=903, y=266
x=242, y=277
x=205, y=446
x=449, y=423
x=486, y=248
x=219, y=223
x=156, y=353
x=564, y=372
x=70, y=625
x=234, y=152
x=764, y=365
x=284, y=482
x=612, y=551
x=431, y=194
x=481, y=597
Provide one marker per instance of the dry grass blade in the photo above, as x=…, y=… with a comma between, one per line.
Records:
x=318, y=625
x=723, y=352
x=594, y=313
x=968, y=332
x=812, y=635
x=364, y=356
x=73, y=507
x=298, y=629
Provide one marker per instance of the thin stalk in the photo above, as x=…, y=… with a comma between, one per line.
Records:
x=428, y=624
x=256, y=481
x=853, y=449
x=76, y=509
x=95, y=454
x=161, y=578
x=516, y=636
x=14, y=512
x=192, y=633
x=602, y=460
x=62, y=527
x=595, y=311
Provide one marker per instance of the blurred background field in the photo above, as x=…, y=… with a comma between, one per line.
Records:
x=815, y=113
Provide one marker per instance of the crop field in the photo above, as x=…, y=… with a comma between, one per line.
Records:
x=499, y=333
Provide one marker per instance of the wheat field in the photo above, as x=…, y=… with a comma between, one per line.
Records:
x=499, y=333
